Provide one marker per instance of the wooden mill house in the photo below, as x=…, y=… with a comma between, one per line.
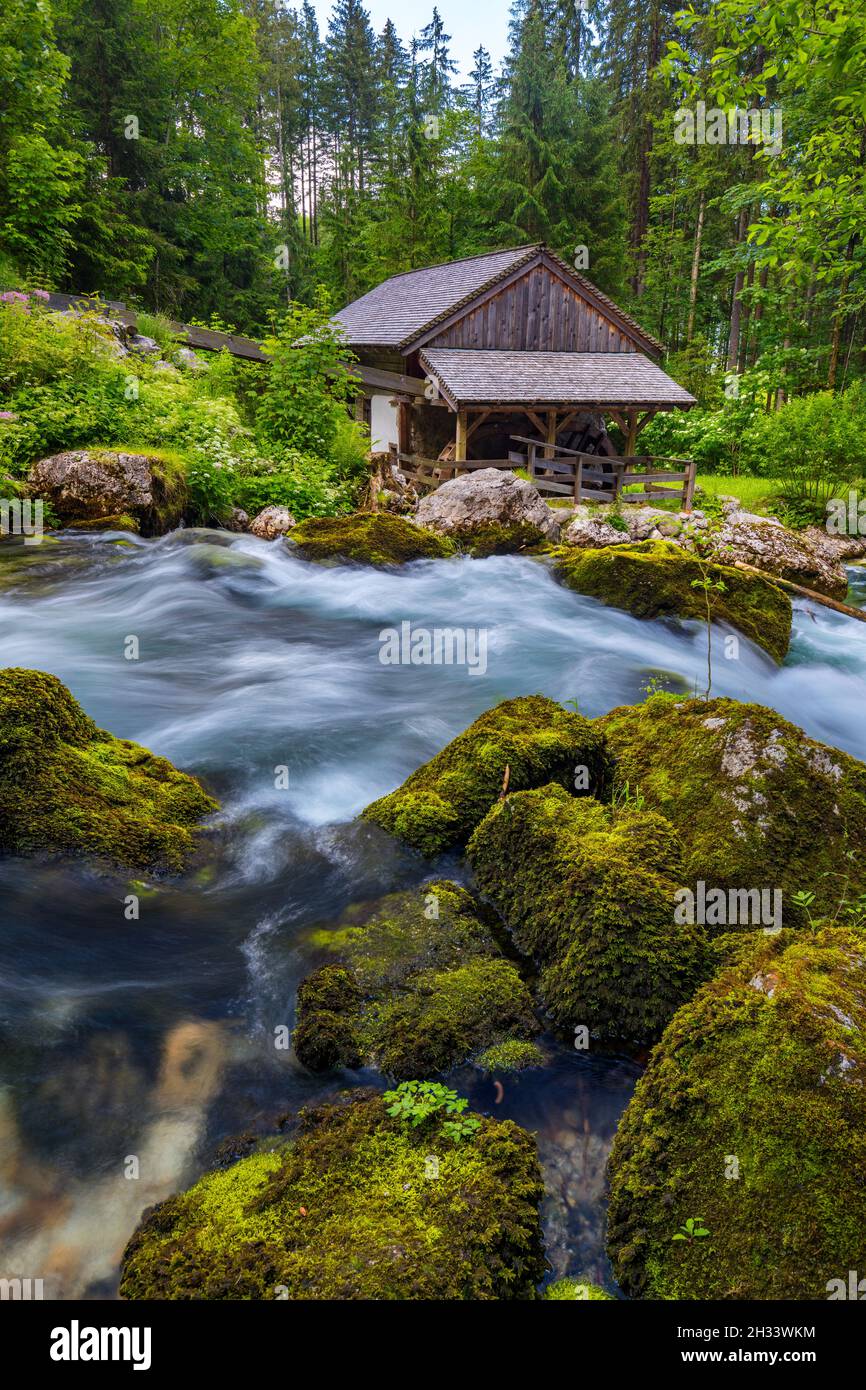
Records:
x=512, y=359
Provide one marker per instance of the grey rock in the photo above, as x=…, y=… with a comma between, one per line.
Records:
x=487, y=496
x=272, y=523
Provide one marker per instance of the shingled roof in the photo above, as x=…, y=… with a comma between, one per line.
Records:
x=405, y=307
x=595, y=379
x=402, y=307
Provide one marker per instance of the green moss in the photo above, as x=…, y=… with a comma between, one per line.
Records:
x=495, y=538
x=421, y=985
x=69, y=788
x=589, y=894
x=120, y=522
x=534, y=738
x=348, y=1211
x=512, y=1055
x=757, y=802
x=752, y=1116
x=654, y=580
x=577, y=1289
x=368, y=538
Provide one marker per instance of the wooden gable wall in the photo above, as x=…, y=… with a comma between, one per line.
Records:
x=538, y=312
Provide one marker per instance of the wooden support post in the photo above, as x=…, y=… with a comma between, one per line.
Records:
x=689, y=486
x=403, y=439
x=578, y=479
x=460, y=441
x=551, y=435
x=632, y=434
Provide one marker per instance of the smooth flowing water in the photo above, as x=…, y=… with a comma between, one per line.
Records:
x=152, y=1040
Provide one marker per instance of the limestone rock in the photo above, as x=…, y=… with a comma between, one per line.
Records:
x=489, y=499
x=87, y=484
x=271, y=523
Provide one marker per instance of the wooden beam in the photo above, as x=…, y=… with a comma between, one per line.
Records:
x=631, y=437
x=460, y=439
x=530, y=415
x=551, y=434
x=474, y=426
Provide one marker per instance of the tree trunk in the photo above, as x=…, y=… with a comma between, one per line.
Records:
x=736, y=306
x=696, y=266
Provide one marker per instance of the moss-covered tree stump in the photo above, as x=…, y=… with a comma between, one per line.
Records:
x=70, y=789
x=752, y=1117
x=657, y=579
x=417, y=986
x=533, y=738
x=589, y=894
x=352, y=1210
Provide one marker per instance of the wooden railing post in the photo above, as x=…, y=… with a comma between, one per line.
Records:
x=578, y=479
x=689, y=486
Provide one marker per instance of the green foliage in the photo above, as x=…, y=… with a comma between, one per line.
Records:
x=691, y=1229
x=307, y=385
x=815, y=444
x=415, y=1102
x=65, y=387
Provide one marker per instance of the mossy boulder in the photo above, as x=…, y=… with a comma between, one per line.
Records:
x=510, y=1056
x=417, y=984
x=655, y=579
x=751, y=1117
x=352, y=1210
x=758, y=804
x=533, y=738
x=368, y=538
x=589, y=894
x=70, y=789
x=577, y=1289
x=90, y=485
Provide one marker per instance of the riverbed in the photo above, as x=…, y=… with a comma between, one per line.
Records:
x=130, y=1049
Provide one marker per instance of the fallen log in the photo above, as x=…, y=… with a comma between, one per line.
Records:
x=803, y=591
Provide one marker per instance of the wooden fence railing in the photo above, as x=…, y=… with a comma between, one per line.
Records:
x=561, y=472
x=569, y=473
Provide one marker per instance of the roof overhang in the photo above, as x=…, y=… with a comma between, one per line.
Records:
x=552, y=380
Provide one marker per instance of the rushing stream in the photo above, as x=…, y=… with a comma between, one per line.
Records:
x=154, y=1039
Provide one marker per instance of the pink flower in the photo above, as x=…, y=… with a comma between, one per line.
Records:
x=13, y=297
x=41, y=294
x=8, y=415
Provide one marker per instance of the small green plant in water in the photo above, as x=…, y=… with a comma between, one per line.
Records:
x=692, y=1230
x=414, y=1102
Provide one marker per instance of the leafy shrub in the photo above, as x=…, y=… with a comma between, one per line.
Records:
x=307, y=485
x=307, y=385
x=815, y=443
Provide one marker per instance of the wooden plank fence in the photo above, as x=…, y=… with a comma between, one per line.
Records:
x=560, y=472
